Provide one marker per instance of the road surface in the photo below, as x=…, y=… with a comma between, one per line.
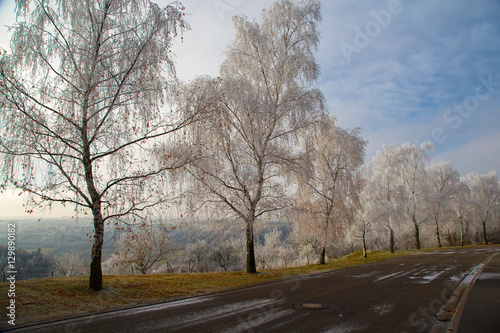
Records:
x=398, y=295
x=482, y=307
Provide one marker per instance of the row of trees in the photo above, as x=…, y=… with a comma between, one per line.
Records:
x=380, y=212
x=403, y=192
x=398, y=201
x=92, y=116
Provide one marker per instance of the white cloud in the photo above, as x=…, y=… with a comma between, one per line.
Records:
x=479, y=155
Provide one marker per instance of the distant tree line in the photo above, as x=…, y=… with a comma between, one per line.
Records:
x=27, y=263
x=417, y=202
x=34, y=265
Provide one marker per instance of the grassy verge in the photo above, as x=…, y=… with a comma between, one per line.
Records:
x=57, y=298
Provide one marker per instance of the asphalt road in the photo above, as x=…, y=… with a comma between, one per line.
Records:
x=399, y=295
x=482, y=307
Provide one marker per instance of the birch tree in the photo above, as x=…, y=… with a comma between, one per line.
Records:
x=485, y=195
x=361, y=227
x=444, y=181
x=383, y=184
x=264, y=97
x=372, y=209
x=461, y=208
x=329, y=186
x=413, y=184
x=81, y=106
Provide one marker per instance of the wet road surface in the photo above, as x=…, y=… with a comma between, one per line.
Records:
x=398, y=295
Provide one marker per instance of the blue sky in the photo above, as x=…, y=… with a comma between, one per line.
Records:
x=417, y=77
x=402, y=71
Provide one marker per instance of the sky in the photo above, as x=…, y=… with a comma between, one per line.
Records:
x=402, y=71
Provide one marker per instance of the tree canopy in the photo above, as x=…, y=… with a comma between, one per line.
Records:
x=265, y=97
x=83, y=106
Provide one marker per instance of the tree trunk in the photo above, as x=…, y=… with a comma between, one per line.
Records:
x=391, y=239
x=461, y=232
x=417, y=236
x=322, y=258
x=251, y=266
x=95, y=282
x=438, y=234
x=485, y=237
x=364, y=244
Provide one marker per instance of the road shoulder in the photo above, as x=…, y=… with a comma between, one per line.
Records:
x=475, y=303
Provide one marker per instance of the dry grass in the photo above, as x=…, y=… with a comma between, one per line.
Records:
x=57, y=298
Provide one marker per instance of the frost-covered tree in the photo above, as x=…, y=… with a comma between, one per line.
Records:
x=81, y=99
x=382, y=188
x=142, y=245
x=461, y=208
x=329, y=183
x=264, y=97
x=226, y=255
x=305, y=240
x=277, y=251
x=398, y=183
x=360, y=230
x=370, y=211
x=197, y=256
x=67, y=264
x=444, y=182
x=414, y=186
x=308, y=250
x=485, y=196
